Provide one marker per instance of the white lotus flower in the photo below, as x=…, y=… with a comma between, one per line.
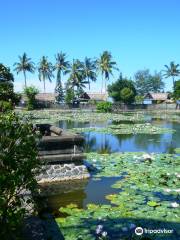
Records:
x=177, y=190
x=174, y=204
x=99, y=229
x=168, y=174
x=104, y=234
x=167, y=190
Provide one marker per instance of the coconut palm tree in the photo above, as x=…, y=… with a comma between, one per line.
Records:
x=172, y=71
x=105, y=65
x=62, y=66
x=89, y=67
x=24, y=65
x=45, y=70
x=77, y=77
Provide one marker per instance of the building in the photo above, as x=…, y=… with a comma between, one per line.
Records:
x=151, y=98
x=94, y=96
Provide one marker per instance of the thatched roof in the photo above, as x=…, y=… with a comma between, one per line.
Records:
x=42, y=97
x=98, y=96
x=157, y=96
x=50, y=97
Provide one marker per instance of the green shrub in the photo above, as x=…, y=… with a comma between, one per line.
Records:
x=139, y=99
x=5, y=106
x=6, y=86
x=127, y=95
x=18, y=159
x=104, y=106
x=31, y=93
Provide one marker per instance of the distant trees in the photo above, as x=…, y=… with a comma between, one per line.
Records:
x=89, y=68
x=177, y=90
x=82, y=73
x=122, y=90
x=172, y=71
x=45, y=71
x=31, y=93
x=24, y=65
x=7, y=95
x=146, y=82
x=106, y=65
x=62, y=66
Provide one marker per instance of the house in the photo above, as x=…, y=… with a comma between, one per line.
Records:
x=151, y=98
x=96, y=96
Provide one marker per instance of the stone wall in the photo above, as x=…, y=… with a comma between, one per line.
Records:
x=62, y=172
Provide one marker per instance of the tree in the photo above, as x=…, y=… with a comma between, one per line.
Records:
x=31, y=93
x=76, y=79
x=45, y=70
x=89, y=67
x=60, y=93
x=18, y=162
x=172, y=71
x=127, y=95
x=177, y=90
x=115, y=89
x=7, y=95
x=106, y=66
x=24, y=65
x=62, y=67
x=145, y=82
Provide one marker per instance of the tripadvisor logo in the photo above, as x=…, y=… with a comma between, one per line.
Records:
x=139, y=231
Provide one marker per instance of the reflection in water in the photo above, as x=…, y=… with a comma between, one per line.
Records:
x=83, y=192
x=107, y=143
x=79, y=192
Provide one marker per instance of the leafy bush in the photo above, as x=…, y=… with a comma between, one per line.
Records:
x=115, y=88
x=31, y=93
x=6, y=86
x=5, y=106
x=69, y=96
x=104, y=106
x=18, y=159
x=177, y=90
x=139, y=99
x=127, y=95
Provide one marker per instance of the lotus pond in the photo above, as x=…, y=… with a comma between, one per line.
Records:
x=134, y=160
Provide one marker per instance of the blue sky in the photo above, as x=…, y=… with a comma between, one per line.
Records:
x=139, y=33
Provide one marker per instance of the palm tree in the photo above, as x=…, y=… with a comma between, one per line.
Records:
x=106, y=66
x=62, y=67
x=24, y=65
x=172, y=71
x=45, y=70
x=77, y=77
x=89, y=67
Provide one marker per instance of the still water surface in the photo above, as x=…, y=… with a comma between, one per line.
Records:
x=94, y=190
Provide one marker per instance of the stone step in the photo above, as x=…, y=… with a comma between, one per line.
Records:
x=62, y=158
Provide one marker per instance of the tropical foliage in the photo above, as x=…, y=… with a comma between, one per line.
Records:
x=45, y=70
x=62, y=67
x=31, y=93
x=17, y=163
x=177, y=90
x=172, y=70
x=106, y=65
x=24, y=65
x=146, y=82
x=7, y=95
x=104, y=107
x=127, y=95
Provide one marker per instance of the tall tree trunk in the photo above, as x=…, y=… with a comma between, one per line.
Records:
x=44, y=84
x=89, y=83
x=102, y=81
x=173, y=83
x=25, y=78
